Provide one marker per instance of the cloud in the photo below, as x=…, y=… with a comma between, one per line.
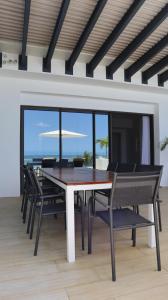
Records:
x=42, y=125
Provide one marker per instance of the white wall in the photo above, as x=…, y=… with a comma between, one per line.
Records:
x=31, y=88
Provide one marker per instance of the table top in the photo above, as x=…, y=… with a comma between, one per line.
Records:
x=79, y=176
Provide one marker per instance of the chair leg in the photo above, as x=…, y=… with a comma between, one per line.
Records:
x=134, y=237
x=157, y=238
x=136, y=210
x=30, y=216
x=112, y=243
x=25, y=209
x=32, y=222
x=38, y=235
x=23, y=201
x=159, y=216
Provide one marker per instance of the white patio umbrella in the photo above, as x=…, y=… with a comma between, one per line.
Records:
x=64, y=133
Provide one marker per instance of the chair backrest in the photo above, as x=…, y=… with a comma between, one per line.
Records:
x=48, y=162
x=112, y=166
x=78, y=162
x=125, y=167
x=70, y=164
x=36, y=185
x=148, y=168
x=29, y=180
x=134, y=189
x=37, y=159
x=63, y=163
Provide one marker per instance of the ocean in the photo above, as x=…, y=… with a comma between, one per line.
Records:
x=70, y=157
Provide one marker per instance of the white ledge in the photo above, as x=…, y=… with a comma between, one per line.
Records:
x=82, y=80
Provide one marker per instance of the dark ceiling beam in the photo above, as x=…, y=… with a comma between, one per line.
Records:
x=162, y=78
x=84, y=36
x=22, y=56
x=153, y=70
x=130, y=13
x=136, y=66
x=55, y=36
x=137, y=41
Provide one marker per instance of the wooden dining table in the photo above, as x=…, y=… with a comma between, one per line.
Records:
x=83, y=179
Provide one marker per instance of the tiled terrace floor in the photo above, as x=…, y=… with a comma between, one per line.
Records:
x=49, y=276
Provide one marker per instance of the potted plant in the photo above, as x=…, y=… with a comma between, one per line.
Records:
x=103, y=143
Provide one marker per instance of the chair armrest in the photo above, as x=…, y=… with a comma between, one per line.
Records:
x=99, y=201
x=159, y=200
x=49, y=187
x=52, y=196
x=101, y=192
x=41, y=178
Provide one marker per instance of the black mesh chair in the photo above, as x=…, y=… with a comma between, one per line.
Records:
x=63, y=163
x=48, y=162
x=112, y=166
x=148, y=168
x=29, y=191
x=78, y=162
x=125, y=167
x=37, y=160
x=153, y=168
x=119, y=168
x=24, y=186
x=131, y=189
x=47, y=203
x=44, y=204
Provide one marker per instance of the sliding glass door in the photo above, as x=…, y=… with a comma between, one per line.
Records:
x=94, y=137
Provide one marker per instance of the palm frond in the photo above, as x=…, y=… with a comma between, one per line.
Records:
x=164, y=144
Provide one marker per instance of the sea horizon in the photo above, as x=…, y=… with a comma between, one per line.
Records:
x=30, y=157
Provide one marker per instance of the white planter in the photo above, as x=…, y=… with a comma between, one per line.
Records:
x=102, y=163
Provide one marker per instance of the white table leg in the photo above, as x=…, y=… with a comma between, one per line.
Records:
x=151, y=229
x=70, y=224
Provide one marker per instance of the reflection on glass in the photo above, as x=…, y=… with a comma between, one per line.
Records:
x=40, y=139
x=77, y=145
x=102, y=142
x=126, y=141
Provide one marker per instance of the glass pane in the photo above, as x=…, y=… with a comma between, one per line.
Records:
x=126, y=142
x=39, y=139
x=102, y=142
x=77, y=140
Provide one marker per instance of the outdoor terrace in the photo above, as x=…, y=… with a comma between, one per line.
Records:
x=50, y=276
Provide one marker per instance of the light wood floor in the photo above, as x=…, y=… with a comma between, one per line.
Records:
x=49, y=276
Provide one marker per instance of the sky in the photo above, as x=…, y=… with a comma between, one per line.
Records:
x=36, y=122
